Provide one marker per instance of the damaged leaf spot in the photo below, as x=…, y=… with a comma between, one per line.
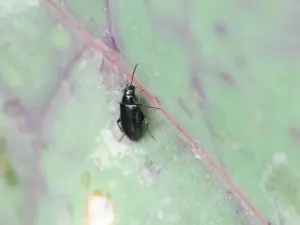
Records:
x=149, y=172
x=226, y=78
x=295, y=134
x=184, y=107
x=220, y=28
x=197, y=86
x=13, y=107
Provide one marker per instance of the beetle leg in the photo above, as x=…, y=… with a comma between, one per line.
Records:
x=147, y=106
x=121, y=137
x=120, y=126
x=146, y=124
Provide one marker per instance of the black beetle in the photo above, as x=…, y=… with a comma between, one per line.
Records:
x=132, y=117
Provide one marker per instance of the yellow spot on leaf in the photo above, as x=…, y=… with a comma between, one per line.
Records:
x=6, y=168
x=230, y=142
x=86, y=179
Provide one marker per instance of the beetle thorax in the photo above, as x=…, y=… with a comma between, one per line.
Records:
x=131, y=99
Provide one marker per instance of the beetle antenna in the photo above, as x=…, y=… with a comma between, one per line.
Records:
x=133, y=73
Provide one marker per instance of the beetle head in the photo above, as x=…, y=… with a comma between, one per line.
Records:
x=129, y=90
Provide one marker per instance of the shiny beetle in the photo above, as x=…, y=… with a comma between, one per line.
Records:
x=131, y=116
